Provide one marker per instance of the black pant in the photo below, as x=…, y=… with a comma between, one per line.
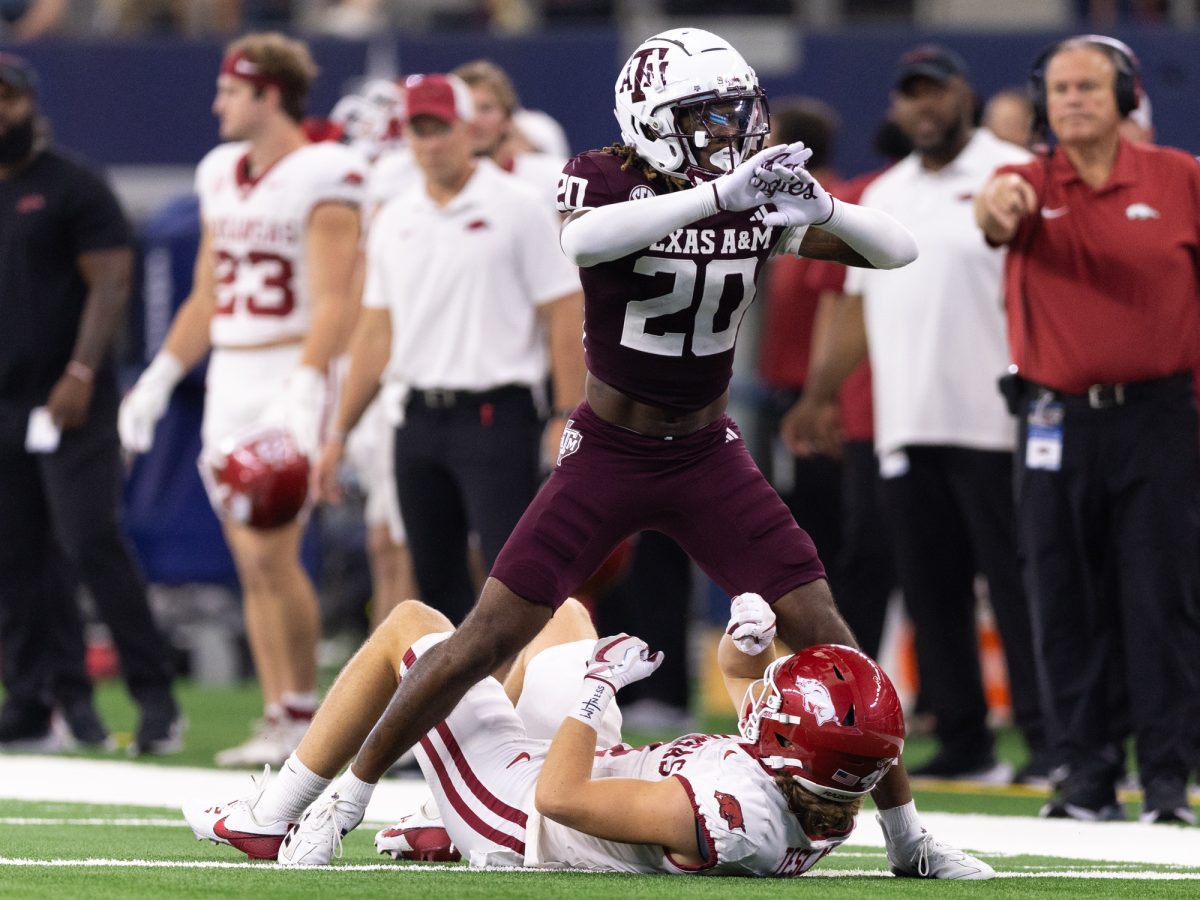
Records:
x=653, y=601
x=58, y=521
x=814, y=496
x=470, y=466
x=951, y=516
x=863, y=574
x=1110, y=550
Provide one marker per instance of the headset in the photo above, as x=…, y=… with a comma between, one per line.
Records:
x=1129, y=75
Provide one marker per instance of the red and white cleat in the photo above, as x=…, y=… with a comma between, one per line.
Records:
x=234, y=823
x=420, y=837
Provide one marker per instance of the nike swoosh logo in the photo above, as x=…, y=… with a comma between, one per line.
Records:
x=517, y=759
x=224, y=833
x=255, y=846
x=1056, y=213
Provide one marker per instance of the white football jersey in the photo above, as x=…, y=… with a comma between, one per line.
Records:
x=258, y=230
x=743, y=818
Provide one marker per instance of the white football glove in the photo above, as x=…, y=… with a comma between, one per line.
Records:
x=742, y=188
x=798, y=198
x=298, y=408
x=620, y=660
x=751, y=624
x=146, y=402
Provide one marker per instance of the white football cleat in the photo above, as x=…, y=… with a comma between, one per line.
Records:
x=929, y=858
x=420, y=837
x=234, y=824
x=273, y=741
x=317, y=838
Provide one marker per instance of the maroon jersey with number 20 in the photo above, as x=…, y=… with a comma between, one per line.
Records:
x=661, y=323
x=660, y=326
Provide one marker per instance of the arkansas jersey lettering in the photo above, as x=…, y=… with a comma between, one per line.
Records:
x=799, y=860
x=257, y=231
x=679, y=750
x=731, y=810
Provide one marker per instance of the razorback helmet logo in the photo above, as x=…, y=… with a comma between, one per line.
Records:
x=816, y=699
x=262, y=478
x=829, y=717
x=731, y=810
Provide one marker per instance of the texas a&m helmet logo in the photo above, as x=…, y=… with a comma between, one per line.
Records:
x=643, y=67
x=730, y=809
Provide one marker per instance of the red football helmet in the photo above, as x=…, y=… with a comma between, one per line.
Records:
x=829, y=717
x=262, y=478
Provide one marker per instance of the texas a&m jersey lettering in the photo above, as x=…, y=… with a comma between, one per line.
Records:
x=662, y=322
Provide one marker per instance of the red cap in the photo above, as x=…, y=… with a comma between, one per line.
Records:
x=445, y=97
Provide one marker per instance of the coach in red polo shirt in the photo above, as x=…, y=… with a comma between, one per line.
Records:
x=1103, y=308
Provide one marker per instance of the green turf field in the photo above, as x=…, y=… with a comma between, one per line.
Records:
x=105, y=851
x=148, y=852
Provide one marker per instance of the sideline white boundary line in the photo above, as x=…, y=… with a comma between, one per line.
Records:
x=1093, y=874
x=41, y=778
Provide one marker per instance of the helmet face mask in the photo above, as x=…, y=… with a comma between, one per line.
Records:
x=829, y=717
x=736, y=126
x=684, y=90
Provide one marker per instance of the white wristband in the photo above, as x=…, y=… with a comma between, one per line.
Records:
x=593, y=701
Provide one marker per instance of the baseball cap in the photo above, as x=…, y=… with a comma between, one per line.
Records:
x=18, y=74
x=445, y=97
x=929, y=61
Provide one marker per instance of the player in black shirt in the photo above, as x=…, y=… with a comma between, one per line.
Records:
x=65, y=263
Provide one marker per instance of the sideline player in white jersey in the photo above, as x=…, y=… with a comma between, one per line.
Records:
x=271, y=300
x=819, y=729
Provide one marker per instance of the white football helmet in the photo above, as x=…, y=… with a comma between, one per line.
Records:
x=681, y=89
x=373, y=120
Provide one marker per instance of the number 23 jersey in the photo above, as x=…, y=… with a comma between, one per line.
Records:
x=661, y=323
x=258, y=230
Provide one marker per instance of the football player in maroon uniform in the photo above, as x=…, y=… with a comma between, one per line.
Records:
x=670, y=229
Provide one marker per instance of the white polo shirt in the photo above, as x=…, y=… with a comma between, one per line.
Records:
x=463, y=282
x=936, y=327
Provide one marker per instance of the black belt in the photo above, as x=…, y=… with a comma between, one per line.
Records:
x=1106, y=396
x=445, y=398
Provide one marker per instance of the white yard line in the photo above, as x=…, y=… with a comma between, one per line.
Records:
x=405, y=870
x=44, y=778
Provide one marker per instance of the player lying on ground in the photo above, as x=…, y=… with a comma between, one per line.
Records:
x=821, y=727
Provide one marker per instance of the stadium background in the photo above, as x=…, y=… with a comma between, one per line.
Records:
x=141, y=108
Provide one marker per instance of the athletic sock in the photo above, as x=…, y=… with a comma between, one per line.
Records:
x=299, y=706
x=350, y=787
x=290, y=792
x=900, y=824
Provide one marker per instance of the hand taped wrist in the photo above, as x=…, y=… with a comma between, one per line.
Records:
x=593, y=701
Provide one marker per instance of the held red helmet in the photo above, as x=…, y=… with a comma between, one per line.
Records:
x=262, y=478
x=829, y=717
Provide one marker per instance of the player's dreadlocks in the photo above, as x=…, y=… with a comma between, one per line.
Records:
x=629, y=157
x=817, y=815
